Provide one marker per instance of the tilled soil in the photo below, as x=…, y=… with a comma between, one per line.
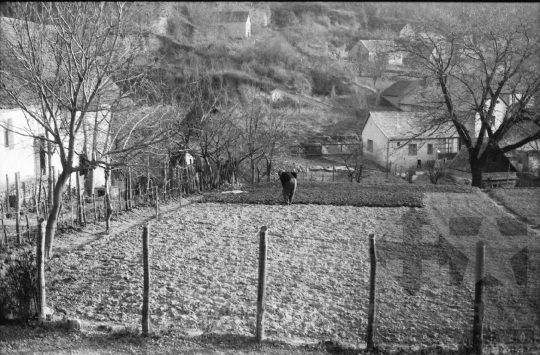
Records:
x=204, y=261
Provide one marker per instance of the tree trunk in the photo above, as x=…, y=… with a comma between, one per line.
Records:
x=268, y=168
x=107, y=202
x=53, y=215
x=476, y=170
x=50, y=181
x=252, y=172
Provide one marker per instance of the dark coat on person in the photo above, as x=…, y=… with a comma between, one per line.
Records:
x=287, y=176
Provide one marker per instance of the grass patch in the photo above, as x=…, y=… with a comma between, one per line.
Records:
x=337, y=194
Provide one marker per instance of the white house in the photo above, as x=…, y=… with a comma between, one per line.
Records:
x=26, y=155
x=21, y=149
x=502, y=104
x=394, y=139
x=236, y=24
x=373, y=49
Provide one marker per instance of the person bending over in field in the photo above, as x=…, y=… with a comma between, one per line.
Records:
x=288, y=181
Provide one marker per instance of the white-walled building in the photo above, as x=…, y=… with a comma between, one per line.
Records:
x=21, y=152
x=236, y=24
x=372, y=50
x=393, y=139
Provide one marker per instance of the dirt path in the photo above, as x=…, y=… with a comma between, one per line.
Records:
x=122, y=222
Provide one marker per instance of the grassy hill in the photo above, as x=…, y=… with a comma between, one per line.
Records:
x=295, y=51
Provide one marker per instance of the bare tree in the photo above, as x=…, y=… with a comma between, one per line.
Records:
x=69, y=68
x=354, y=162
x=262, y=131
x=478, y=58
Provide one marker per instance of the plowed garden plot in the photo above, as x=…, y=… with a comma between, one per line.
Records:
x=204, y=261
x=204, y=276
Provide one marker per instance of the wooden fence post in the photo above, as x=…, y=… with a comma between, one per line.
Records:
x=148, y=179
x=7, y=194
x=107, y=205
x=261, y=295
x=27, y=228
x=71, y=207
x=165, y=175
x=85, y=220
x=17, y=209
x=130, y=191
x=40, y=263
x=119, y=198
x=79, y=199
x=372, y=279
x=95, y=208
x=146, y=283
x=157, y=202
x=180, y=185
x=5, y=237
x=126, y=191
x=23, y=192
x=478, y=301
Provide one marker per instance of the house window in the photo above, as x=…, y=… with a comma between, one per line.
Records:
x=430, y=149
x=448, y=145
x=412, y=149
x=370, y=145
x=398, y=144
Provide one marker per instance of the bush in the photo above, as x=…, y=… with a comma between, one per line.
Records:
x=276, y=52
x=19, y=289
x=284, y=18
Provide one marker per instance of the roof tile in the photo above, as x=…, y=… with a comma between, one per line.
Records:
x=399, y=125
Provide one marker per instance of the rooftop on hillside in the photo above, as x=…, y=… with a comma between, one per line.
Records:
x=232, y=16
x=400, y=125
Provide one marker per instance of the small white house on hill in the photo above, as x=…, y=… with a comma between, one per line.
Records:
x=395, y=139
x=236, y=24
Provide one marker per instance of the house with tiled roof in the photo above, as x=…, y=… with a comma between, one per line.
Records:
x=398, y=92
x=372, y=50
x=236, y=24
x=403, y=140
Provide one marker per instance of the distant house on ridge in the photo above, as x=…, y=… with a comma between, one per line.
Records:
x=236, y=24
x=376, y=49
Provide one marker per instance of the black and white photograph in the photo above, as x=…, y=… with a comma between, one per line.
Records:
x=277, y=178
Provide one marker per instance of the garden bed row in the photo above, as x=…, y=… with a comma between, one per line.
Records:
x=337, y=194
